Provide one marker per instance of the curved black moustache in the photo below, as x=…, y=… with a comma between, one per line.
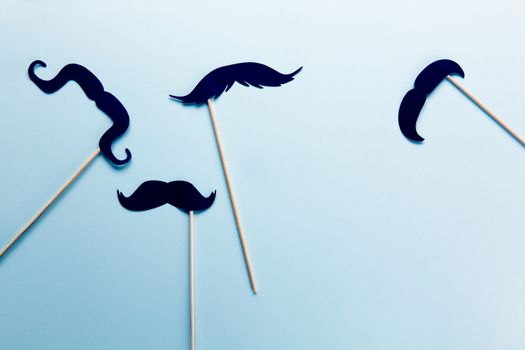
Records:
x=222, y=79
x=94, y=90
x=180, y=194
x=414, y=100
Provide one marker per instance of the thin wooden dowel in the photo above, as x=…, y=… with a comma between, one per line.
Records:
x=485, y=109
x=53, y=199
x=192, y=285
x=232, y=198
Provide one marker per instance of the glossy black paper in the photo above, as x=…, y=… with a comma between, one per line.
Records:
x=414, y=99
x=180, y=194
x=222, y=79
x=94, y=90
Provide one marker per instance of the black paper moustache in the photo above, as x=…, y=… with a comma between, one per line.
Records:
x=414, y=100
x=180, y=194
x=222, y=79
x=94, y=90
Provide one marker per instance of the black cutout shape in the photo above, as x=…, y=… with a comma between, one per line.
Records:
x=414, y=100
x=180, y=194
x=222, y=79
x=94, y=90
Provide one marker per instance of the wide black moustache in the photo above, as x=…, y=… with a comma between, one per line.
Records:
x=180, y=194
x=94, y=90
x=222, y=79
x=414, y=100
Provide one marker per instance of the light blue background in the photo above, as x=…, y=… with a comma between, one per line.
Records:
x=359, y=238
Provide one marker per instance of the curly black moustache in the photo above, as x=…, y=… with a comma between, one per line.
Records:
x=94, y=90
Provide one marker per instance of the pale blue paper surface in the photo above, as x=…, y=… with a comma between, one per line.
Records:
x=359, y=238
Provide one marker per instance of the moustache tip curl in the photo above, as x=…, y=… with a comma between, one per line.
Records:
x=415, y=99
x=223, y=78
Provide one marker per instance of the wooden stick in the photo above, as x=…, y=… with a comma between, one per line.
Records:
x=232, y=198
x=485, y=109
x=53, y=199
x=192, y=285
